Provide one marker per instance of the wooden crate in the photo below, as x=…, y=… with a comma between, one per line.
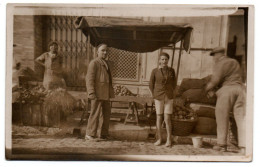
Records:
x=36, y=115
x=31, y=114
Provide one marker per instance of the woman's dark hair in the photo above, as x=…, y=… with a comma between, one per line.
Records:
x=52, y=43
x=165, y=54
x=101, y=45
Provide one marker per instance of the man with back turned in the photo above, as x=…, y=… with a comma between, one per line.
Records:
x=230, y=97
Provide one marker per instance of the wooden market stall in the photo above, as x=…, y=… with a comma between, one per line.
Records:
x=135, y=36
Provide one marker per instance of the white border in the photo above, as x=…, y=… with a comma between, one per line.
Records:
x=2, y=65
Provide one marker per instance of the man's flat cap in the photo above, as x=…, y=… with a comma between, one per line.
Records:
x=217, y=50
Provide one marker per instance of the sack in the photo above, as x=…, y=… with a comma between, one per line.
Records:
x=198, y=96
x=189, y=83
x=206, y=126
x=206, y=112
x=203, y=110
x=178, y=102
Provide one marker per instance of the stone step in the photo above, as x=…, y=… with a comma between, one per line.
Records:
x=131, y=132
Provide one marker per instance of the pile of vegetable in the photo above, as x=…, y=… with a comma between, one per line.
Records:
x=53, y=100
x=181, y=112
x=34, y=95
x=59, y=100
x=121, y=90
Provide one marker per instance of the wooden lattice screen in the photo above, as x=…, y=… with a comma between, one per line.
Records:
x=124, y=64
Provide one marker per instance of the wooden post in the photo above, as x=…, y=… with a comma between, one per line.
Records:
x=179, y=61
x=173, y=52
x=44, y=116
x=88, y=50
x=95, y=51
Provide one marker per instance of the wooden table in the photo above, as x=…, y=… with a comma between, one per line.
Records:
x=132, y=113
x=137, y=99
x=132, y=108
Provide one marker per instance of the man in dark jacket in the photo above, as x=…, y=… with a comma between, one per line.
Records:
x=230, y=97
x=100, y=90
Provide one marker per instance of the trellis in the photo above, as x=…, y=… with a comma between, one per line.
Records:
x=77, y=52
x=124, y=64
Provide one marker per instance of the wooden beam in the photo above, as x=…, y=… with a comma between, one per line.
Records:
x=95, y=51
x=195, y=49
x=179, y=61
x=131, y=39
x=88, y=49
x=173, y=52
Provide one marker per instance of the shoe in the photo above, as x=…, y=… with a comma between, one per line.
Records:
x=158, y=143
x=168, y=144
x=220, y=148
x=89, y=137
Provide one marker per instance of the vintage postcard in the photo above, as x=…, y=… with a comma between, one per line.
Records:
x=129, y=82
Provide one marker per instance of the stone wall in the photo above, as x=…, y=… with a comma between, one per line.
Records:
x=23, y=50
x=28, y=41
x=38, y=43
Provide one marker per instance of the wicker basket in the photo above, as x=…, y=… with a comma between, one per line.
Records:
x=182, y=127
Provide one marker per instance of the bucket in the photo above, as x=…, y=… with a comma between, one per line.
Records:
x=197, y=142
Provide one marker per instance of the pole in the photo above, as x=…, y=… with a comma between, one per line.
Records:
x=173, y=52
x=95, y=51
x=88, y=49
x=179, y=61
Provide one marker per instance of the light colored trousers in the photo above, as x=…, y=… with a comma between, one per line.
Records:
x=231, y=98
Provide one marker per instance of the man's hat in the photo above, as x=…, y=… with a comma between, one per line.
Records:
x=217, y=50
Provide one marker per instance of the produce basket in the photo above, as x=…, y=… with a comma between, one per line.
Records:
x=182, y=127
x=183, y=120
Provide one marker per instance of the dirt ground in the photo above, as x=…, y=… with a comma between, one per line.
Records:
x=75, y=145
x=28, y=141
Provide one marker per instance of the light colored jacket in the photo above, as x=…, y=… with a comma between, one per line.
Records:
x=226, y=72
x=99, y=80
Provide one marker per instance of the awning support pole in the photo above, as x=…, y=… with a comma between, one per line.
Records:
x=159, y=53
x=88, y=49
x=179, y=61
x=95, y=51
x=173, y=52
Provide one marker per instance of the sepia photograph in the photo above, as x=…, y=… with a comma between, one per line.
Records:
x=99, y=82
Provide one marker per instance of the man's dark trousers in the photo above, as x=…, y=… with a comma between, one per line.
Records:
x=99, y=108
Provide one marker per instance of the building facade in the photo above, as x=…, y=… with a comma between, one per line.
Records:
x=32, y=33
